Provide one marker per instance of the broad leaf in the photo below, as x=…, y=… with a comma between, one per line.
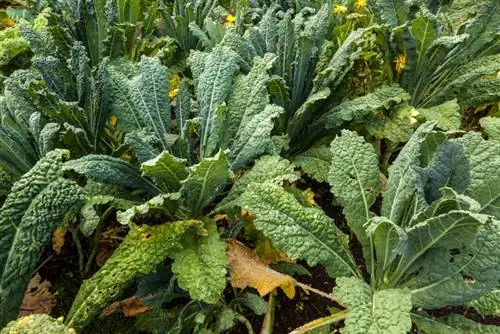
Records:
x=485, y=178
x=463, y=271
x=402, y=178
x=140, y=252
x=205, y=181
x=302, y=232
x=452, y=324
x=491, y=126
x=249, y=271
x=270, y=168
x=384, y=311
x=354, y=178
x=166, y=170
x=200, y=266
x=315, y=162
x=106, y=169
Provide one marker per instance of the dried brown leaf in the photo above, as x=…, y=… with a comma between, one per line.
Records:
x=249, y=270
x=130, y=307
x=37, y=299
x=58, y=239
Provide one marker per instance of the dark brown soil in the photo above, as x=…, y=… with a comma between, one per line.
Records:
x=305, y=307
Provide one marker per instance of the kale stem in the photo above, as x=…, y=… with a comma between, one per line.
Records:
x=321, y=322
x=74, y=235
x=319, y=292
x=267, y=325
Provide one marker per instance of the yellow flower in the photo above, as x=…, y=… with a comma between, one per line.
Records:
x=400, y=62
x=360, y=5
x=339, y=9
x=113, y=120
x=230, y=20
x=175, y=84
x=412, y=116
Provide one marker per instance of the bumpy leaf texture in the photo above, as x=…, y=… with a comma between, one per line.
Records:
x=484, y=159
x=200, y=266
x=167, y=171
x=141, y=251
x=143, y=101
x=354, y=178
x=454, y=273
x=402, y=178
x=383, y=311
x=489, y=304
x=39, y=201
x=491, y=126
x=315, y=162
x=37, y=323
x=302, y=232
x=452, y=324
x=270, y=168
x=205, y=181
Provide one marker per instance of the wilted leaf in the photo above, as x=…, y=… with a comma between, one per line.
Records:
x=38, y=299
x=249, y=270
x=58, y=239
x=130, y=307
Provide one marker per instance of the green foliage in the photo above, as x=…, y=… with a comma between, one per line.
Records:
x=201, y=265
x=13, y=48
x=39, y=202
x=454, y=323
x=36, y=323
x=205, y=181
x=491, y=126
x=354, y=179
x=139, y=254
x=284, y=220
x=385, y=311
x=172, y=112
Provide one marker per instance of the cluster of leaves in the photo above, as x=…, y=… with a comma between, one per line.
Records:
x=190, y=127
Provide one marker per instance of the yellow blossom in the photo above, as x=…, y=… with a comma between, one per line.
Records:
x=230, y=20
x=400, y=62
x=175, y=84
x=360, y=5
x=339, y=9
x=113, y=120
x=412, y=115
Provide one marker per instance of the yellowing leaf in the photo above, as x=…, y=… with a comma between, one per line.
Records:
x=38, y=299
x=269, y=253
x=130, y=307
x=58, y=239
x=249, y=270
x=221, y=217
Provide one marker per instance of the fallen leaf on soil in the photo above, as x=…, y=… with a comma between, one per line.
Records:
x=130, y=307
x=249, y=270
x=37, y=299
x=108, y=242
x=58, y=239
